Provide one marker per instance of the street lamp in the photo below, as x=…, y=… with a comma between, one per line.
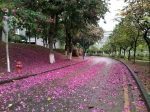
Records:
x=7, y=53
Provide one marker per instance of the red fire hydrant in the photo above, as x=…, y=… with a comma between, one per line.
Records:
x=19, y=67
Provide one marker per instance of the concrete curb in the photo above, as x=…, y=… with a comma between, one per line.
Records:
x=145, y=95
x=29, y=75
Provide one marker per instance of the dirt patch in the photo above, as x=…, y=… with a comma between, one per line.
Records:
x=142, y=69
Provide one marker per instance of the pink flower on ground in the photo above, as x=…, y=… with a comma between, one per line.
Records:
x=4, y=9
x=38, y=100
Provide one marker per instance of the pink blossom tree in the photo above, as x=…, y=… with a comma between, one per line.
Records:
x=74, y=14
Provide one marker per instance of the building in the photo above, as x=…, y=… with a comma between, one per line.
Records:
x=105, y=38
x=39, y=41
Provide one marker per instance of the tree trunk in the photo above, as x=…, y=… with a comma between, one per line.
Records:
x=66, y=46
x=134, y=55
x=29, y=35
x=54, y=45
x=44, y=42
x=51, y=55
x=147, y=41
x=120, y=51
x=135, y=44
x=149, y=54
x=70, y=46
x=115, y=51
x=35, y=37
x=0, y=33
x=124, y=51
x=51, y=37
x=129, y=55
x=52, y=33
x=1, y=29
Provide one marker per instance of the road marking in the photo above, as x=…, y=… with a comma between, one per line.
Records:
x=126, y=96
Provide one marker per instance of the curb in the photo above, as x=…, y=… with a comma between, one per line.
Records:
x=29, y=75
x=140, y=86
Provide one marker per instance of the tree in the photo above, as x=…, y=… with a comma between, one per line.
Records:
x=92, y=34
x=80, y=13
x=53, y=12
x=140, y=11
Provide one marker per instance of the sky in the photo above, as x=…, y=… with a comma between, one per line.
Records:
x=110, y=24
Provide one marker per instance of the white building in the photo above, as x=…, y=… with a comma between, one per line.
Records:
x=105, y=38
x=39, y=41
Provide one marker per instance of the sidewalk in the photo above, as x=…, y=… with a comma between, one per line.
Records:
x=32, y=70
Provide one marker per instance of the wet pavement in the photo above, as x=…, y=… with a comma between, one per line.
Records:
x=97, y=85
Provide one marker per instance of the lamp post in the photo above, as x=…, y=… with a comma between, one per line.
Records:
x=7, y=53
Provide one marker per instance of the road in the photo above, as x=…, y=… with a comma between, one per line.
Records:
x=99, y=84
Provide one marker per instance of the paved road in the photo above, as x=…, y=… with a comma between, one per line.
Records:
x=97, y=85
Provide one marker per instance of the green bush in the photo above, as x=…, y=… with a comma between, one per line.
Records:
x=105, y=54
x=89, y=53
x=113, y=56
x=17, y=38
x=140, y=55
x=146, y=55
x=139, y=58
x=106, y=51
x=99, y=51
x=146, y=59
x=100, y=54
x=120, y=56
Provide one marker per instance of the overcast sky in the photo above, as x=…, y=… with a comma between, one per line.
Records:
x=110, y=24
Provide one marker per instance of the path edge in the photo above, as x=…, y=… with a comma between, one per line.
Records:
x=34, y=74
x=145, y=95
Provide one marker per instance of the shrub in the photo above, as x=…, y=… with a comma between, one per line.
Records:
x=139, y=58
x=146, y=55
x=17, y=38
x=120, y=56
x=140, y=54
